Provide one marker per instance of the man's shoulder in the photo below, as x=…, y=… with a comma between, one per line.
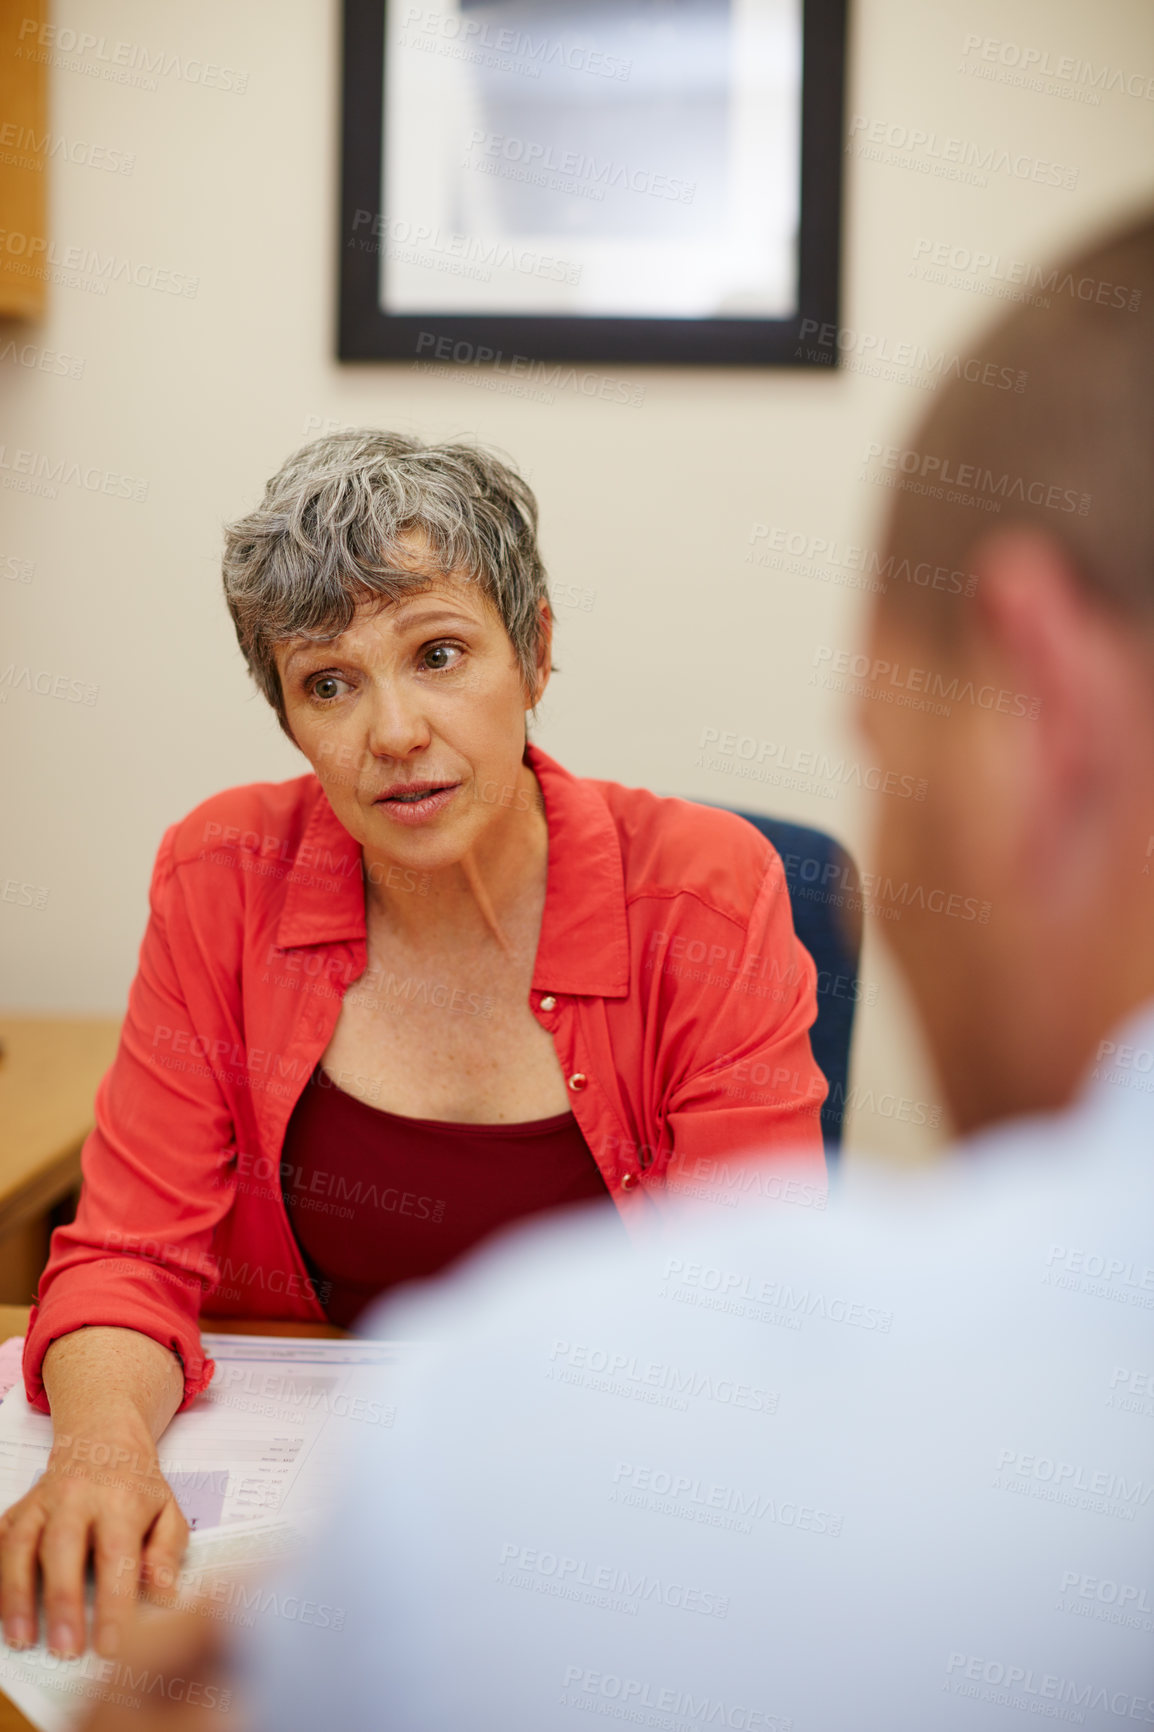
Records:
x=942, y=1379
x=989, y=1244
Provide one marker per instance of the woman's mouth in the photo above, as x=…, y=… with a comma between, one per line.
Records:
x=417, y=802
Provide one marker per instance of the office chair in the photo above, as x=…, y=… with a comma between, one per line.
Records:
x=825, y=896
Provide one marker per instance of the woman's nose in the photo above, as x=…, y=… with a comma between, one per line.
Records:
x=396, y=724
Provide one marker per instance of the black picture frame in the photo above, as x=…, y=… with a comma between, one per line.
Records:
x=367, y=333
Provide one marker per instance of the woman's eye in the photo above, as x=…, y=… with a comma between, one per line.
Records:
x=441, y=655
x=328, y=686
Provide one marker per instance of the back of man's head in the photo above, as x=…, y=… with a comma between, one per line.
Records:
x=1060, y=438
x=1012, y=667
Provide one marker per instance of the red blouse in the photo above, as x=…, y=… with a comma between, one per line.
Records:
x=376, y=1198
x=668, y=975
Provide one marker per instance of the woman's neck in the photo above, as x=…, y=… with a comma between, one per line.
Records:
x=490, y=895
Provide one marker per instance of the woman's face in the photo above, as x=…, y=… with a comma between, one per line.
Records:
x=414, y=722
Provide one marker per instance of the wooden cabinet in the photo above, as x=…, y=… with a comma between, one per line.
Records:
x=23, y=163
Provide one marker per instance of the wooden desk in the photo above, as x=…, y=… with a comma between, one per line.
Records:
x=14, y=1321
x=48, y=1079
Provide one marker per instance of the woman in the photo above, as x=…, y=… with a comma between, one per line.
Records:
x=433, y=986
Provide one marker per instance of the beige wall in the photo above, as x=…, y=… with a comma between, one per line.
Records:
x=650, y=507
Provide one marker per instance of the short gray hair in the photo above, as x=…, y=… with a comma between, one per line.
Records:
x=329, y=536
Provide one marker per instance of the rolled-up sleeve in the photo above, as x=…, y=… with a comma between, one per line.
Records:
x=158, y=1174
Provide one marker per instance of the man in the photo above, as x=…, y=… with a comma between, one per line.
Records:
x=890, y=1464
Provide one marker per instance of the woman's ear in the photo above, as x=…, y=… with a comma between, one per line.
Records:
x=544, y=651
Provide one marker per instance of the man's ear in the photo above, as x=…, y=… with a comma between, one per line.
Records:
x=1061, y=664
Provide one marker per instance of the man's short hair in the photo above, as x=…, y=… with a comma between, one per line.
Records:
x=1061, y=440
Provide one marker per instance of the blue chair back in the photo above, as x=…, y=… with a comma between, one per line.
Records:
x=825, y=895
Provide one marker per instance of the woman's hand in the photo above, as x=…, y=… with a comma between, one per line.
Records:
x=102, y=1494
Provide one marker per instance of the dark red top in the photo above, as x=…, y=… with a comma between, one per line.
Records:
x=375, y=1198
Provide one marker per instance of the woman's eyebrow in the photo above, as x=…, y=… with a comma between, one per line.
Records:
x=444, y=616
x=306, y=649
x=420, y=621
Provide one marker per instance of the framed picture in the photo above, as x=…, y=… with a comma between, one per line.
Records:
x=591, y=180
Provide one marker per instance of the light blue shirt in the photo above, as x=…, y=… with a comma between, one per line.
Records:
x=886, y=1466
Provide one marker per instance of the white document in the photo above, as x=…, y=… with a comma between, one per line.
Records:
x=252, y=1463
